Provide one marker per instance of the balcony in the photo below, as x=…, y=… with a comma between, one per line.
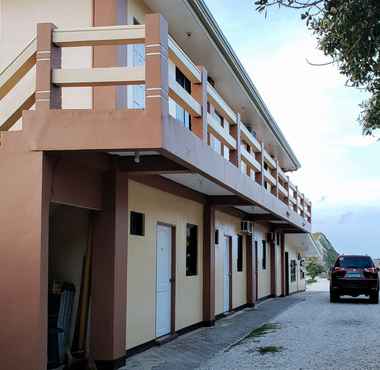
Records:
x=213, y=122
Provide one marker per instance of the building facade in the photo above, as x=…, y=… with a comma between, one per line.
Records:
x=140, y=165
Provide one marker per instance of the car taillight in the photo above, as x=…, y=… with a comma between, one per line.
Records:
x=336, y=269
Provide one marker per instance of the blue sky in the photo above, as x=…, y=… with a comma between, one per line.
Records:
x=318, y=115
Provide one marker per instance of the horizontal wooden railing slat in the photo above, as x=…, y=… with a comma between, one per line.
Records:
x=18, y=68
x=94, y=36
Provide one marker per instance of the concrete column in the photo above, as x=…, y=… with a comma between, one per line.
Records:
x=282, y=254
x=251, y=271
x=199, y=93
x=24, y=218
x=104, y=14
x=272, y=245
x=260, y=176
x=235, y=132
x=156, y=67
x=48, y=96
x=109, y=275
x=209, y=265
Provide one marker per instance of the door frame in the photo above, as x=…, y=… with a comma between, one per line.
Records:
x=257, y=269
x=173, y=274
x=286, y=273
x=230, y=264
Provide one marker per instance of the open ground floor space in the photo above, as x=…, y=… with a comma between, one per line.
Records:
x=110, y=264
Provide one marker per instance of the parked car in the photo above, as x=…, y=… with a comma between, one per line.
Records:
x=354, y=276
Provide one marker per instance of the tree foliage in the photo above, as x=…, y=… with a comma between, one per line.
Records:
x=314, y=268
x=349, y=32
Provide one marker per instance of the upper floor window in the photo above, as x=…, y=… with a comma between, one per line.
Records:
x=182, y=80
x=215, y=144
x=218, y=118
x=226, y=152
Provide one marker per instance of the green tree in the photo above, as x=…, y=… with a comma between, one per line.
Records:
x=314, y=268
x=349, y=32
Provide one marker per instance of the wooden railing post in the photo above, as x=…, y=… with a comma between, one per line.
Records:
x=235, y=156
x=156, y=67
x=48, y=96
x=199, y=93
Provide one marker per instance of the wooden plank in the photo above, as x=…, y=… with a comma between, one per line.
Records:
x=99, y=76
x=18, y=68
x=95, y=36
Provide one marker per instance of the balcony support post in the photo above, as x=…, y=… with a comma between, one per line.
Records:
x=260, y=176
x=199, y=93
x=235, y=156
x=156, y=68
x=48, y=96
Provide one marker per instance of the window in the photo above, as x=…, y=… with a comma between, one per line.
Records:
x=215, y=144
x=240, y=253
x=226, y=152
x=216, y=236
x=243, y=167
x=218, y=118
x=264, y=255
x=182, y=80
x=293, y=268
x=191, y=249
x=137, y=223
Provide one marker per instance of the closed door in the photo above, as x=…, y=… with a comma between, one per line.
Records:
x=163, y=288
x=227, y=275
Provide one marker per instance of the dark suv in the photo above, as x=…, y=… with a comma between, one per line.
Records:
x=354, y=275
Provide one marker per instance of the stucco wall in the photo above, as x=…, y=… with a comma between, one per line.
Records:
x=160, y=207
x=278, y=268
x=15, y=35
x=260, y=233
x=229, y=226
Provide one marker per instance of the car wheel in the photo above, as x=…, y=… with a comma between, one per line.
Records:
x=333, y=298
x=374, y=298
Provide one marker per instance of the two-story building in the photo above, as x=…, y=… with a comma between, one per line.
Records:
x=139, y=164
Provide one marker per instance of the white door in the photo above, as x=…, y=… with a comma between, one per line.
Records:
x=163, y=287
x=226, y=295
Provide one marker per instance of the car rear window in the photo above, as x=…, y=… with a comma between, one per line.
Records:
x=354, y=262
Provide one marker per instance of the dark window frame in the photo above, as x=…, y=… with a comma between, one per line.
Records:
x=293, y=270
x=191, y=250
x=134, y=228
x=240, y=258
x=264, y=255
x=216, y=237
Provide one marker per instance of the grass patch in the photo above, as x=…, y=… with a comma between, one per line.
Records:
x=269, y=349
x=311, y=281
x=256, y=333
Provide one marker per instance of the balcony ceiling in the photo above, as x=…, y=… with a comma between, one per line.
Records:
x=186, y=28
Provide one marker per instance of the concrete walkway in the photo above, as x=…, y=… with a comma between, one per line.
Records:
x=190, y=351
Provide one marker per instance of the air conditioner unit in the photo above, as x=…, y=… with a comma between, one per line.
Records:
x=246, y=227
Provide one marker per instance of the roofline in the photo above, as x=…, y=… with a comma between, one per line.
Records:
x=204, y=15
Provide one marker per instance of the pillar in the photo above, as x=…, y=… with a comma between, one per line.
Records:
x=272, y=244
x=48, y=96
x=199, y=93
x=209, y=265
x=109, y=274
x=251, y=271
x=282, y=254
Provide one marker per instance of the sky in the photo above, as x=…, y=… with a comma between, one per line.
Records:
x=318, y=116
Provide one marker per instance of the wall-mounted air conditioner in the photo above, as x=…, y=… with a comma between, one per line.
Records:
x=246, y=227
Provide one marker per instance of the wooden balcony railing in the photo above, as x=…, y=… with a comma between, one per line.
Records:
x=244, y=146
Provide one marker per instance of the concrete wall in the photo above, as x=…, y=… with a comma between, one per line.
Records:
x=260, y=234
x=160, y=207
x=229, y=226
x=278, y=268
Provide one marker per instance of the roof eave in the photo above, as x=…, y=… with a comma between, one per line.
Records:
x=204, y=15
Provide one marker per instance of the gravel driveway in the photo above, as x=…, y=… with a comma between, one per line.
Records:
x=312, y=334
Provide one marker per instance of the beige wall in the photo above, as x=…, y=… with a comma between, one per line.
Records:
x=137, y=9
x=160, y=207
x=14, y=36
x=260, y=234
x=278, y=268
x=229, y=225
x=299, y=284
